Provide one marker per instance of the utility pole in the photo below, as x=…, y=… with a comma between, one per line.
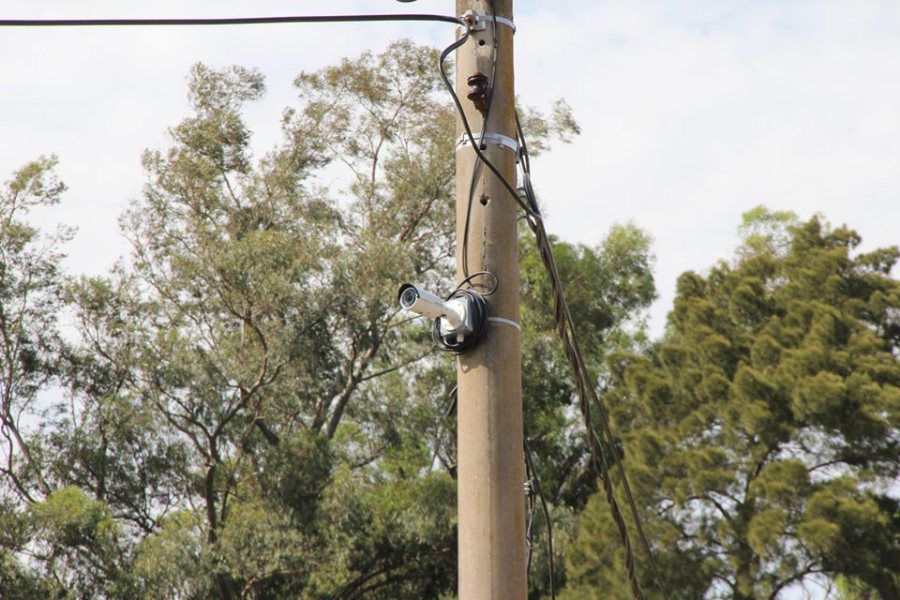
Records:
x=491, y=470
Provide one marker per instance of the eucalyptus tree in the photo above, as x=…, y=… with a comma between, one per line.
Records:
x=246, y=412
x=30, y=298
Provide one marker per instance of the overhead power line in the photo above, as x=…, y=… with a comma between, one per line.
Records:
x=280, y=20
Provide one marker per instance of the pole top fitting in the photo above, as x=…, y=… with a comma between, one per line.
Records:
x=477, y=21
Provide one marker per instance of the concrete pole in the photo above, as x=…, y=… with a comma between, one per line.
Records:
x=491, y=470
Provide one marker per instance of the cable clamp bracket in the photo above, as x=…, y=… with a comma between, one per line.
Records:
x=489, y=139
x=479, y=21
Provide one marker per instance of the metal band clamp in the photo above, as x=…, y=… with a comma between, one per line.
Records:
x=495, y=139
x=479, y=21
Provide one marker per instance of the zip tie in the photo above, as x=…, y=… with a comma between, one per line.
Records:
x=505, y=322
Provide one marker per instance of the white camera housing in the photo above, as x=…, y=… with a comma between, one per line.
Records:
x=455, y=314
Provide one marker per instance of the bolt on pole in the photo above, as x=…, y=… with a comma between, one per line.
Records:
x=491, y=471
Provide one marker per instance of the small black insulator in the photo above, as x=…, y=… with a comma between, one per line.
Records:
x=478, y=83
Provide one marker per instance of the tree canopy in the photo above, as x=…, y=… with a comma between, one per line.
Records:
x=238, y=409
x=241, y=411
x=761, y=432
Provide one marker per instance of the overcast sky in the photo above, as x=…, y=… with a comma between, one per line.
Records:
x=693, y=112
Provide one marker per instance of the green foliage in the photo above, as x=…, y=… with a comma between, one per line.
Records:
x=540, y=127
x=853, y=589
x=762, y=431
x=69, y=517
x=169, y=559
x=763, y=230
x=30, y=300
x=607, y=287
x=245, y=414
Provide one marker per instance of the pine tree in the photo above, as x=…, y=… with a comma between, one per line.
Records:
x=761, y=432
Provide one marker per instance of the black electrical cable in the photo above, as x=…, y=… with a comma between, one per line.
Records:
x=588, y=394
x=448, y=412
x=529, y=526
x=467, y=342
x=476, y=173
x=567, y=331
x=479, y=306
x=587, y=391
x=451, y=406
x=524, y=157
x=476, y=170
x=525, y=165
x=467, y=127
x=486, y=290
x=232, y=21
x=529, y=462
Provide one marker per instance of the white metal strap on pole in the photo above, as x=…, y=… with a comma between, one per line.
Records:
x=492, y=139
x=481, y=21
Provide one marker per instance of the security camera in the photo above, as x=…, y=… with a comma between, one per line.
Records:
x=455, y=314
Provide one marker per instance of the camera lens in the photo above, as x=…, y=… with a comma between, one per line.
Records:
x=409, y=297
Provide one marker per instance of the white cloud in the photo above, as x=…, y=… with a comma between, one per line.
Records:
x=98, y=97
x=692, y=111
x=695, y=112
